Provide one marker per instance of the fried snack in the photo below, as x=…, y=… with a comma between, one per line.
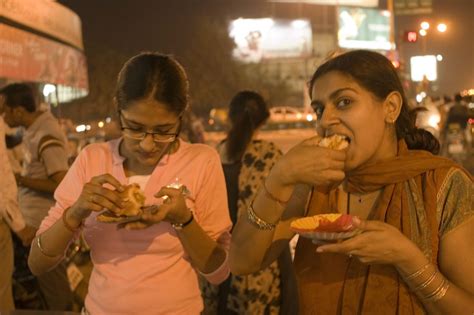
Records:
x=330, y=222
x=134, y=201
x=334, y=142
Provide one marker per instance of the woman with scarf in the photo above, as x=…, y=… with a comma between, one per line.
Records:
x=415, y=210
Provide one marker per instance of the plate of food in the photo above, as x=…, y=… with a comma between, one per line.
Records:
x=326, y=227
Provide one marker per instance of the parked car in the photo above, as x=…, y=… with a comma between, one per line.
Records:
x=288, y=113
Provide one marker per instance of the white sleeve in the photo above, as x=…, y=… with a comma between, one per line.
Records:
x=9, y=209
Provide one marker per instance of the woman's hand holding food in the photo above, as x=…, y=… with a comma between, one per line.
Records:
x=379, y=243
x=311, y=164
x=96, y=197
x=173, y=210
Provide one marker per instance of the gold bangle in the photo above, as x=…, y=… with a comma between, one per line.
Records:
x=258, y=222
x=38, y=242
x=272, y=196
x=427, y=282
x=439, y=292
x=418, y=272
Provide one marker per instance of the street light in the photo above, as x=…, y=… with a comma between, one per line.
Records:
x=442, y=27
x=425, y=25
x=423, y=32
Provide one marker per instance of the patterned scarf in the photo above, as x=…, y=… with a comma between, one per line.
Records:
x=335, y=284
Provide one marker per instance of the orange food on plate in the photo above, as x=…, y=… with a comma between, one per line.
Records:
x=330, y=222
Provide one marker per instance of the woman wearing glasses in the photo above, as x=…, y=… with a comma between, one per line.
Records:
x=151, y=266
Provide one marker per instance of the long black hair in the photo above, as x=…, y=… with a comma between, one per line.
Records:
x=247, y=111
x=377, y=74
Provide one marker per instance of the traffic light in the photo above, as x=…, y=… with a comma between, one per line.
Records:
x=410, y=36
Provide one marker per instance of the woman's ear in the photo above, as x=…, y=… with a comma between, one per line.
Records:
x=392, y=107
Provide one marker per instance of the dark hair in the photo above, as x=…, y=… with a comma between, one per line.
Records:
x=247, y=111
x=458, y=97
x=19, y=95
x=156, y=76
x=376, y=73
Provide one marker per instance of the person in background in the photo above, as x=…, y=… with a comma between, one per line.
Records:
x=46, y=165
x=152, y=265
x=10, y=216
x=458, y=113
x=414, y=210
x=247, y=161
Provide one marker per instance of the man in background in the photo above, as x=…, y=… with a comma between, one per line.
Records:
x=46, y=164
x=10, y=216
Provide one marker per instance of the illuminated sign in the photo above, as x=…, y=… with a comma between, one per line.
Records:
x=411, y=36
x=358, y=3
x=412, y=7
x=45, y=16
x=361, y=28
x=423, y=67
x=262, y=39
x=28, y=57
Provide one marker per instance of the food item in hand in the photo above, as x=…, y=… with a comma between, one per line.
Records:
x=330, y=222
x=335, y=142
x=134, y=201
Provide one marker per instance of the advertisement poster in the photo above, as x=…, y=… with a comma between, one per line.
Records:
x=362, y=28
x=263, y=39
x=28, y=57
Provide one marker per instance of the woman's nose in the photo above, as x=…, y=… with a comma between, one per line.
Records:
x=148, y=144
x=329, y=117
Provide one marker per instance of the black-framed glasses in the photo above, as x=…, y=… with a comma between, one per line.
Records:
x=140, y=135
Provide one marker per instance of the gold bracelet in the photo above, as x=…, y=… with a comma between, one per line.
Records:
x=38, y=242
x=258, y=222
x=427, y=282
x=273, y=197
x=418, y=272
x=439, y=292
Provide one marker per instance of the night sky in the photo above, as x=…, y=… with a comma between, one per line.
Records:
x=167, y=26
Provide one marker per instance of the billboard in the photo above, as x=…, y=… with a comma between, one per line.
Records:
x=358, y=3
x=413, y=7
x=25, y=56
x=362, y=28
x=45, y=16
x=262, y=39
x=423, y=66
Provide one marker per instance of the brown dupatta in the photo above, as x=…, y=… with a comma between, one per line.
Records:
x=335, y=284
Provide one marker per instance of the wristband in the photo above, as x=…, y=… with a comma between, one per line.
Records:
x=180, y=226
x=273, y=197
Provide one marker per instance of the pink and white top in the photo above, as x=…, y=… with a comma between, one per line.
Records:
x=147, y=271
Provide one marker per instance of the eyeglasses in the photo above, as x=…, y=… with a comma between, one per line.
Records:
x=140, y=135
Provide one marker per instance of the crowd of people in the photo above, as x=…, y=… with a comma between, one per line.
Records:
x=213, y=233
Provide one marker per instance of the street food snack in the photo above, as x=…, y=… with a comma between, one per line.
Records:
x=134, y=201
x=330, y=226
x=335, y=142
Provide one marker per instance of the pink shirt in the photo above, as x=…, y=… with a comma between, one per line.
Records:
x=147, y=271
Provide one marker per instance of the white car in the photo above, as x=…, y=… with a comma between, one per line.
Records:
x=288, y=113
